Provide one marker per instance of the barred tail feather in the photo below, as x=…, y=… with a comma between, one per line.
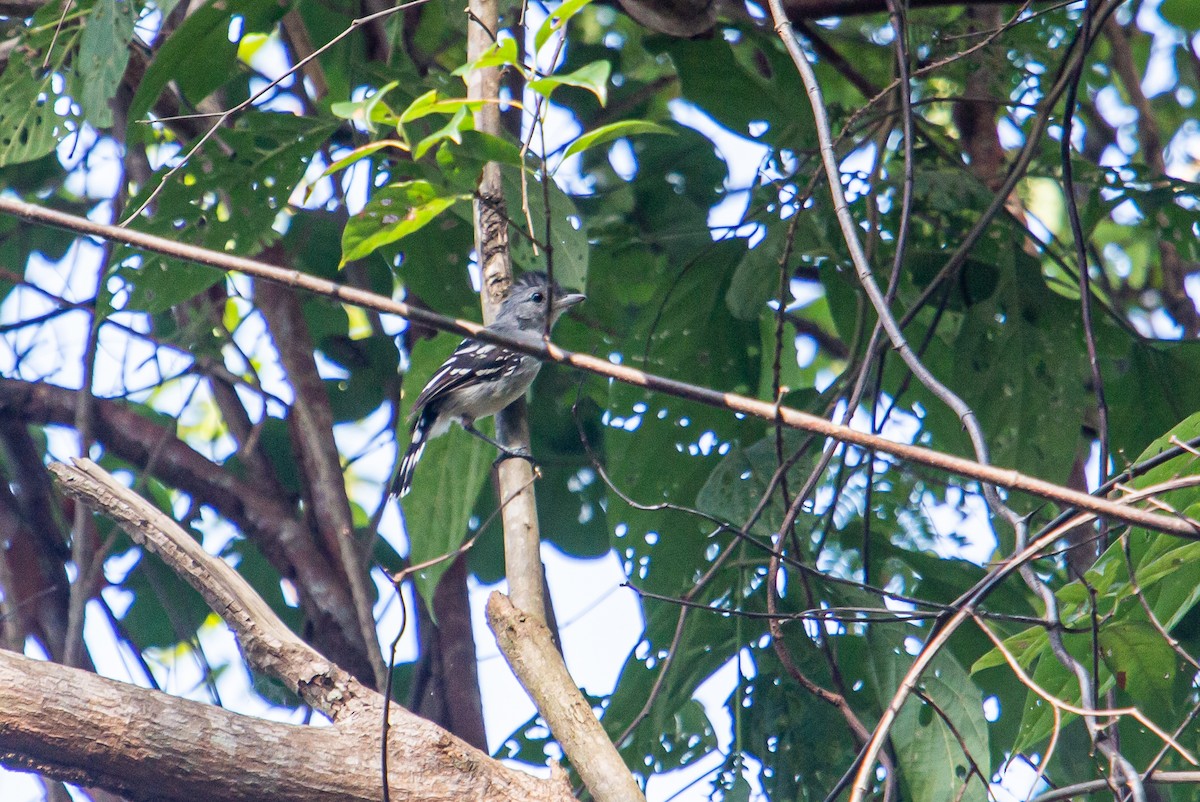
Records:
x=408, y=465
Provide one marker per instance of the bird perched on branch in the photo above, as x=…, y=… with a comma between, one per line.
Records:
x=479, y=379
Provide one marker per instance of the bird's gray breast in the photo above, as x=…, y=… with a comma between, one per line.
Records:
x=492, y=393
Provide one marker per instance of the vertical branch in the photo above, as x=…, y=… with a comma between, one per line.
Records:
x=522, y=538
x=519, y=622
x=84, y=540
x=1077, y=233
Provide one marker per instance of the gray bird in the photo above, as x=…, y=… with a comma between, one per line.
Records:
x=479, y=379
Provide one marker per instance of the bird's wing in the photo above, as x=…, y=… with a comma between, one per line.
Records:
x=471, y=362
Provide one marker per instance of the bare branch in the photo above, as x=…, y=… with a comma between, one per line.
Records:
x=530, y=650
x=793, y=418
x=158, y=757
x=269, y=521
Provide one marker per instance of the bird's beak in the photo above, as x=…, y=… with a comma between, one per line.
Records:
x=565, y=302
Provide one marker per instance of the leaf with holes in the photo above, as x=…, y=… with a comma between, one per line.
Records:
x=29, y=125
x=935, y=761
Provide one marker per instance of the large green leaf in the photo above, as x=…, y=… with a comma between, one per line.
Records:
x=1024, y=376
x=1183, y=13
x=743, y=85
x=1140, y=660
x=735, y=487
x=393, y=213
x=932, y=758
x=567, y=234
x=103, y=56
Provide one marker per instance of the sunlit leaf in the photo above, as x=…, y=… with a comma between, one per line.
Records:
x=612, y=131
x=502, y=53
x=452, y=130
x=392, y=213
x=556, y=21
x=369, y=111
x=593, y=77
x=361, y=153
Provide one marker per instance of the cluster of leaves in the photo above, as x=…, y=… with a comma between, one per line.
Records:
x=669, y=293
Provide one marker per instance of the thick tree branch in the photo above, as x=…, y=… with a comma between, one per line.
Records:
x=73, y=725
x=522, y=537
x=273, y=525
x=560, y=702
x=445, y=685
x=792, y=418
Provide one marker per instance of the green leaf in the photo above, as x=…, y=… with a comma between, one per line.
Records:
x=567, y=235
x=1024, y=647
x=361, y=153
x=103, y=56
x=556, y=20
x=737, y=484
x=932, y=764
x=155, y=587
x=1183, y=13
x=392, y=214
x=1037, y=718
x=452, y=130
x=592, y=77
x=1019, y=362
x=1140, y=659
x=675, y=719
x=449, y=478
x=607, y=133
x=368, y=111
x=502, y=53
x=198, y=56
x=29, y=125
x=756, y=279
x=433, y=103
x=461, y=160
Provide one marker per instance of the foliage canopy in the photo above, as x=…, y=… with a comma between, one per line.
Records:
x=679, y=183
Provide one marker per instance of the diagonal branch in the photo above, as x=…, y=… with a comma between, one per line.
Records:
x=430, y=763
x=793, y=418
x=310, y=422
x=268, y=521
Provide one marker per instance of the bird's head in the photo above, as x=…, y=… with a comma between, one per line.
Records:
x=531, y=299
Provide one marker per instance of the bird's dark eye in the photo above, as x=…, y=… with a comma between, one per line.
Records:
x=537, y=297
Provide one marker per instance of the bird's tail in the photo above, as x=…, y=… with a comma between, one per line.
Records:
x=416, y=447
